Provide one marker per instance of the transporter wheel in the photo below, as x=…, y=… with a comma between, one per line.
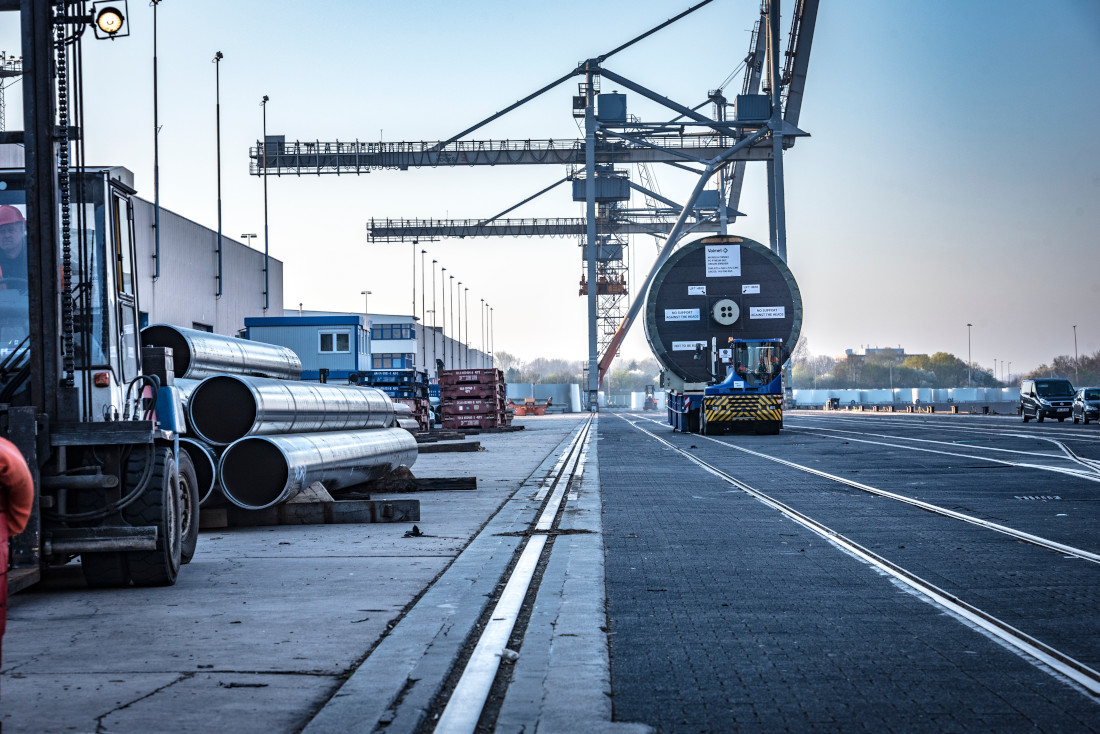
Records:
x=704, y=426
x=189, y=507
x=1084, y=419
x=1039, y=416
x=1075, y=421
x=159, y=505
x=105, y=570
x=1061, y=420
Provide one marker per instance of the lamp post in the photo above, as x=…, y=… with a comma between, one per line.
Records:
x=968, y=357
x=366, y=302
x=1076, y=374
x=248, y=237
x=459, y=332
x=217, y=60
x=267, y=289
x=423, y=315
x=467, y=341
x=452, y=292
x=443, y=289
x=483, y=347
x=156, y=153
x=432, y=312
x=492, y=350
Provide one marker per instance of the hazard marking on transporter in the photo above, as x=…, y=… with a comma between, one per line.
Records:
x=743, y=407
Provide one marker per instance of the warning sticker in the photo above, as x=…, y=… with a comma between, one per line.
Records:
x=747, y=289
x=681, y=314
x=723, y=261
x=767, y=312
x=697, y=290
x=687, y=346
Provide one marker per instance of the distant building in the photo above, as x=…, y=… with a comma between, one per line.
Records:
x=880, y=355
x=343, y=343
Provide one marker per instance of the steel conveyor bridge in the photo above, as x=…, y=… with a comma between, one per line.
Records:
x=340, y=157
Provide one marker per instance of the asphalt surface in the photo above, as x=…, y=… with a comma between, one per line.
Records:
x=666, y=598
x=725, y=616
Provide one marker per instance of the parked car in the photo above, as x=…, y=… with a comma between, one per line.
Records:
x=1086, y=404
x=1046, y=398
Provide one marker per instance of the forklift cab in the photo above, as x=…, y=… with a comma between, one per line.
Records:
x=104, y=300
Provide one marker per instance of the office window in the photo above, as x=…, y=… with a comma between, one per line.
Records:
x=392, y=331
x=391, y=361
x=334, y=342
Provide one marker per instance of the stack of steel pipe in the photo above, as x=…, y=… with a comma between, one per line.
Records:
x=262, y=437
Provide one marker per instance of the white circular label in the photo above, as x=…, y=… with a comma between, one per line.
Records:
x=726, y=312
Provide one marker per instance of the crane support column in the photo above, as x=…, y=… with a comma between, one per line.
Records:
x=590, y=235
x=775, y=182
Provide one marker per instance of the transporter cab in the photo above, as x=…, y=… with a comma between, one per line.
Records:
x=751, y=395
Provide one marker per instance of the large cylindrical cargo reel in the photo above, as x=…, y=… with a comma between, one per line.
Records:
x=261, y=471
x=198, y=354
x=712, y=290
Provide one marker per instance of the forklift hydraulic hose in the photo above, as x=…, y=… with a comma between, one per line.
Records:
x=146, y=476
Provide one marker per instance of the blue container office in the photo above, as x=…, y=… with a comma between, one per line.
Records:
x=337, y=343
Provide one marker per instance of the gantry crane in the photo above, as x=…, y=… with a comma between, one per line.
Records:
x=761, y=128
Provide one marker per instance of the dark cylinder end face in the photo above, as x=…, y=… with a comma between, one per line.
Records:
x=715, y=289
x=254, y=473
x=204, y=467
x=222, y=409
x=166, y=336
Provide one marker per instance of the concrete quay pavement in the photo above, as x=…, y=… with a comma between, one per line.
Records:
x=266, y=624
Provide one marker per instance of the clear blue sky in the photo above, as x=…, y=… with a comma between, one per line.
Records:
x=952, y=175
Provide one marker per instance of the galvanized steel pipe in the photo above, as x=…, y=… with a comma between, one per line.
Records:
x=198, y=354
x=257, y=472
x=228, y=407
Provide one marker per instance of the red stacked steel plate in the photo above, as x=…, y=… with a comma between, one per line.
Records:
x=473, y=399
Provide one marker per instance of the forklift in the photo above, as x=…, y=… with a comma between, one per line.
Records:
x=96, y=416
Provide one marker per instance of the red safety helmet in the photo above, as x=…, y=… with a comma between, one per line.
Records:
x=10, y=215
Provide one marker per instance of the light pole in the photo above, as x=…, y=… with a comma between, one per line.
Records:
x=467, y=341
x=483, y=347
x=267, y=289
x=1076, y=374
x=492, y=351
x=366, y=302
x=156, y=153
x=423, y=315
x=1009, y=375
x=452, y=291
x=968, y=357
x=443, y=288
x=432, y=312
x=218, y=122
x=248, y=237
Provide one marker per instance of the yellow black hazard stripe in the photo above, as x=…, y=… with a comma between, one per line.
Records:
x=719, y=408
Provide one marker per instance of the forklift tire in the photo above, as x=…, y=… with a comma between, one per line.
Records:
x=704, y=427
x=189, y=507
x=105, y=570
x=159, y=505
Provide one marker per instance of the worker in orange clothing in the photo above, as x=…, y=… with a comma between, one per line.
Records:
x=13, y=249
x=16, y=502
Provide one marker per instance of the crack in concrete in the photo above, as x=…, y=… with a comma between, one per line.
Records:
x=101, y=728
